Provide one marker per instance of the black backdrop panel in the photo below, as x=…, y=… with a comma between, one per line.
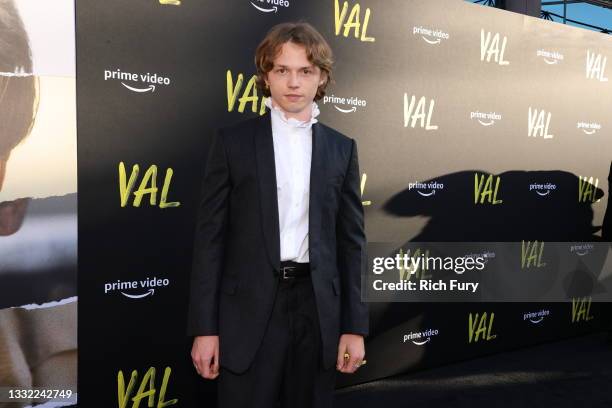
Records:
x=433, y=91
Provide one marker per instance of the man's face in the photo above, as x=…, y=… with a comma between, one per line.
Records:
x=13, y=212
x=294, y=80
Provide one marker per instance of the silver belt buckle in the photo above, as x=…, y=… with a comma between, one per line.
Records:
x=284, y=268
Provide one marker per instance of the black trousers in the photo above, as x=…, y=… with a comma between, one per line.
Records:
x=287, y=370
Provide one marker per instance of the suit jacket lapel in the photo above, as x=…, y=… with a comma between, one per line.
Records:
x=318, y=181
x=268, y=199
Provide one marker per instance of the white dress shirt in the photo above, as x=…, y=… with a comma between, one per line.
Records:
x=292, y=155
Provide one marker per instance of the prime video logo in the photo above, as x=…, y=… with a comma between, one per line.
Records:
x=588, y=128
x=542, y=189
x=351, y=103
x=486, y=255
x=420, y=338
x=536, y=317
x=581, y=249
x=484, y=118
x=430, y=36
x=429, y=188
x=136, y=289
x=550, y=57
x=269, y=6
x=149, y=81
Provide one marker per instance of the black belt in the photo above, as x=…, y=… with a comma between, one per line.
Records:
x=291, y=270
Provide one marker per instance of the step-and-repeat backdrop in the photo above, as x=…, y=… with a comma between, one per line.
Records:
x=473, y=124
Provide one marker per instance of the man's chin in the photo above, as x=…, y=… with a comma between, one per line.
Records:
x=12, y=214
x=294, y=108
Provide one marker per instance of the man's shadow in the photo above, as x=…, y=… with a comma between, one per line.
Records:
x=524, y=205
x=476, y=206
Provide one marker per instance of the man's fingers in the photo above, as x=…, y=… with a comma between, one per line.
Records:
x=205, y=356
x=340, y=361
x=351, y=364
x=215, y=363
x=198, y=367
x=205, y=370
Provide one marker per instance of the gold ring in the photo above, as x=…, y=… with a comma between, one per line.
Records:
x=363, y=362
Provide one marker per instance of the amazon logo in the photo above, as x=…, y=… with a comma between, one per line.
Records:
x=269, y=6
x=588, y=128
x=426, y=189
x=550, y=57
x=485, y=119
x=485, y=256
x=536, y=317
x=345, y=105
x=136, y=289
x=430, y=36
x=542, y=190
x=137, y=83
x=420, y=338
x=581, y=249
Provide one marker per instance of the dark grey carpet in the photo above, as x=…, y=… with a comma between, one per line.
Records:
x=575, y=372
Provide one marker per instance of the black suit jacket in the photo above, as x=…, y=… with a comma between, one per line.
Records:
x=606, y=230
x=237, y=243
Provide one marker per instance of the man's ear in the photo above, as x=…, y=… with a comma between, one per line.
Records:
x=323, y=78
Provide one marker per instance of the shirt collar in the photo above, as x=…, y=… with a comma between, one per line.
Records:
x=276, y=111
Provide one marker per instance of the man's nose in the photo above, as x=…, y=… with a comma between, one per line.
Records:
x=294, y=80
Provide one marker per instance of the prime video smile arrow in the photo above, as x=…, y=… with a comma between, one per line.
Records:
x=150, y=88
x=149, y=292
x=437, y=41
x=353, y=109
x=274, y=9
x=420, y=343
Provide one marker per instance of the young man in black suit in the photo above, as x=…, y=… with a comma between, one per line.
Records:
x=280, y=243
x=606, y=230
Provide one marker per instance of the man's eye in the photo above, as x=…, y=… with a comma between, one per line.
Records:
x=281, y=70
x=307, y=71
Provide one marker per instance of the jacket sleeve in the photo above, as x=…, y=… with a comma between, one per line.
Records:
x=351, y=250
x=209, y=242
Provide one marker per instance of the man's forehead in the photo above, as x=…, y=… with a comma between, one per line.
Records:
x=285, y=64
x=292, y=54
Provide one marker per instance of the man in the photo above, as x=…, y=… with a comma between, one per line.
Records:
x=18, y=105
x=38, y=346
x=280, y=244
x=606, y=230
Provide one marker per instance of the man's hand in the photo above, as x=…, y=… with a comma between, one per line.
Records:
x=205, y=356
x=353, y=345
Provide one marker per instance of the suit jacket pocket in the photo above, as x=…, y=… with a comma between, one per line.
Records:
x=229, y=286
x=336, y=285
